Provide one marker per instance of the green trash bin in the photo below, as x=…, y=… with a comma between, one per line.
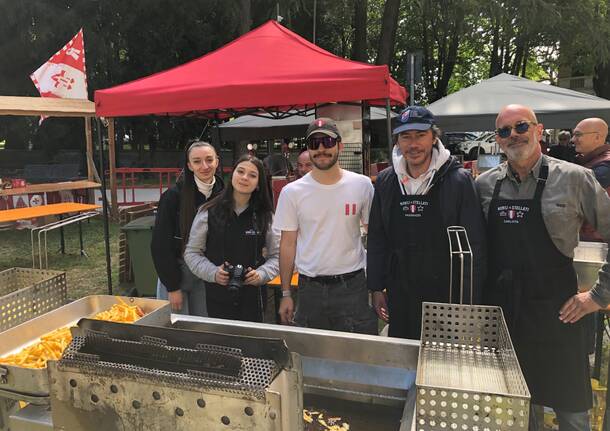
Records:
x=139, y=237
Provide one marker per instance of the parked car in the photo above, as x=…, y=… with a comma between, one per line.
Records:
x=451, y=140
x=483, y=144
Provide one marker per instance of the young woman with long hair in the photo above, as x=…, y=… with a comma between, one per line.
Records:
x=233, y=230
x=175, y=213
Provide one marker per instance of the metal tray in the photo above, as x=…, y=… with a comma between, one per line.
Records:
x=26, y=293
x=35, y=381
x=588, y=259
x=468, y=376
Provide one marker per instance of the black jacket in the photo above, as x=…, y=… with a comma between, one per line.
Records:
x=166, y=245
x=460, y=206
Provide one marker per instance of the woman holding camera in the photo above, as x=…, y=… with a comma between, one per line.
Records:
x=233, y=247
x=177, y=208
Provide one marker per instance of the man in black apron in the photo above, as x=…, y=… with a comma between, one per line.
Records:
x=416, y=199
x=535, y=206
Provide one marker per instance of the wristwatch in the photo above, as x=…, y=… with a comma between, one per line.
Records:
x=286, y=293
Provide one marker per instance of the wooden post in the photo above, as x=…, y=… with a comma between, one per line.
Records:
x=89, y=141
x=114, y=203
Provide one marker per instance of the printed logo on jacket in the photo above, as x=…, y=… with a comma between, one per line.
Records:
x=414, y=208
x=512, y=214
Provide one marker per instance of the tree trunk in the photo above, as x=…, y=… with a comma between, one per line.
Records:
x=524, y=61
x=451, y=56
x=601, y=80
x=245, y=16
x=516, y=66
x=494, y=65
x=360, y=20
x=389, y=24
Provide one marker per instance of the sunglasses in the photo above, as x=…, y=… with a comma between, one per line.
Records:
x=314, y=143
x=521, y=128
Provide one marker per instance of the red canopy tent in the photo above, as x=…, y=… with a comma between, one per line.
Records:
x=269, y=68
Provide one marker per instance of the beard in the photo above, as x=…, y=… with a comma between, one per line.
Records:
x=323, y=165
x=520, y=152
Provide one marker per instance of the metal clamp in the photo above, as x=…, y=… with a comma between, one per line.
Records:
x=459, y=247
x=3, y=375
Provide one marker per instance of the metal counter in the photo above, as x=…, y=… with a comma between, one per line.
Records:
x=367, y=378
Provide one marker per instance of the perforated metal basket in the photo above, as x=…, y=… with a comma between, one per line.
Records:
x=468, y=375
x=26, y=293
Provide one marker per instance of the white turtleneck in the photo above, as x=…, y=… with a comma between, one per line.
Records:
x=205, y=188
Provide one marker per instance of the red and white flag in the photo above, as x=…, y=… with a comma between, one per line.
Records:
x=64, y=74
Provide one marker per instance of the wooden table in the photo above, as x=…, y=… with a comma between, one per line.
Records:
x=49, y=210
x=294, y=281
x=44, y=210
x=50, y=187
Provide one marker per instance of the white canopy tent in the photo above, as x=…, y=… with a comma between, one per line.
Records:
x=476, y=107
x=266, y=127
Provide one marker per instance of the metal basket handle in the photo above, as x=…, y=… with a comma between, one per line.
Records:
x=459, y=247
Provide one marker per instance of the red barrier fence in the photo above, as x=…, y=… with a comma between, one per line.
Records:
x=130, y=179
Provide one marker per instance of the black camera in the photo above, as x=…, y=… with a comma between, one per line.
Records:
x=237, y=274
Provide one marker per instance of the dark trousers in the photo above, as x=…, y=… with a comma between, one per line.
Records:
x=339, y=306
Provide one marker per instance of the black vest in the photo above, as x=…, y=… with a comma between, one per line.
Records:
x=237, y=242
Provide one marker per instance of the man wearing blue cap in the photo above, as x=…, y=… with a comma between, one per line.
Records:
x=416, y=199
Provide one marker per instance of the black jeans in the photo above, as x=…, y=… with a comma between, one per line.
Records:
x=341, y=306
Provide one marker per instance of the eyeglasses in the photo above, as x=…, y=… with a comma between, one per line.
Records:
x=314, y=143
x=521, y=127
x=579, y=135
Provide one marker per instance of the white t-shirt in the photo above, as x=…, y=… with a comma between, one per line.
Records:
x=327, y=218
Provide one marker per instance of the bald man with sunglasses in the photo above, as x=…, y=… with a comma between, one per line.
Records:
x=320, y=216
x=535, y=206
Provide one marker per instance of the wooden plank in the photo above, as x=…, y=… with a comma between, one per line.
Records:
x=50, y=187
x=44, y=210
x=49, y=106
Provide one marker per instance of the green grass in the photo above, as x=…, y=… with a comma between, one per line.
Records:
x=85, y=276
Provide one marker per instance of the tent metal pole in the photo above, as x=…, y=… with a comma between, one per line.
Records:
x=315, y=18
x=388, y=121
x=104, y=205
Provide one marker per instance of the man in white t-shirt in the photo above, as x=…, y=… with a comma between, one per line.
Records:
x=320, y=217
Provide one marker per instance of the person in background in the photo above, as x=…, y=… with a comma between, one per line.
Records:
x=320, y=217
x=175, y=213
x=279, y=164
x=544, y=142
x=593, y=153
x=535, y=206
x=303, y=164
x=425, y=191
x=233, y=230
x=564, y=150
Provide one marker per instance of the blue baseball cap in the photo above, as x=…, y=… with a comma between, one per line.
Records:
x=414, y=118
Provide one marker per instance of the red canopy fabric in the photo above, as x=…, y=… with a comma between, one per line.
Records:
x=269, y=68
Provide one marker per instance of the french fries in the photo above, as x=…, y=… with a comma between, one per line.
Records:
x=53, y=344
x=327, y=424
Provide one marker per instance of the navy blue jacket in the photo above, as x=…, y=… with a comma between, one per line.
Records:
x=460, y=207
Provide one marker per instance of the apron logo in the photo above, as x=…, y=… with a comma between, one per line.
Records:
x=349, y=207
x=252, y=232
x=512, y=214
x=413, y=208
